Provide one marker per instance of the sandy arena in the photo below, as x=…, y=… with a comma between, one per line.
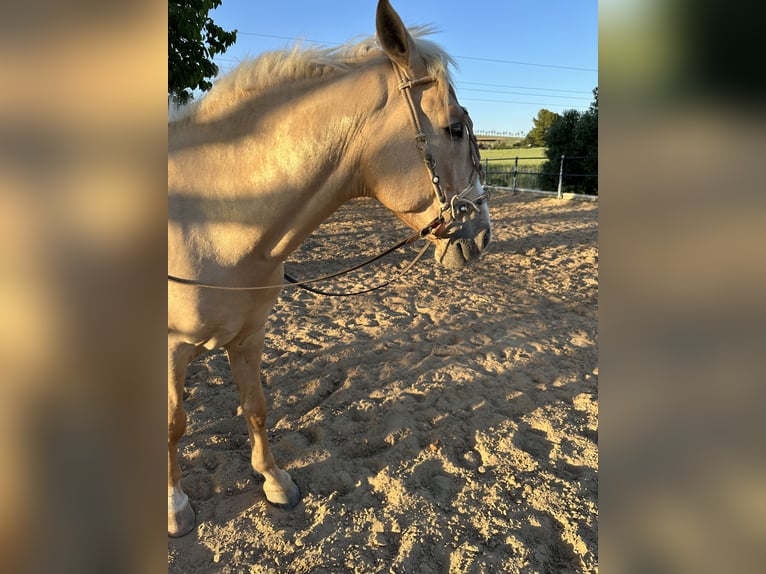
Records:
x=445, y=424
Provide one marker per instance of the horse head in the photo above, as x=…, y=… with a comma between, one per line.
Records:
x=425, y=165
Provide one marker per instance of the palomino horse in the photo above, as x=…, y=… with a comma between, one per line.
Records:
x=272, y=151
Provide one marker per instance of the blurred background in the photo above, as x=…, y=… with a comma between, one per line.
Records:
x=82, y=251
x=682, y=206
x=682, y=139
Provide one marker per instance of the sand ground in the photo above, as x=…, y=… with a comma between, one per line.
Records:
x=448, y=423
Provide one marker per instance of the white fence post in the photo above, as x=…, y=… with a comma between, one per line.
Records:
x=515, y=171
x=561, y=176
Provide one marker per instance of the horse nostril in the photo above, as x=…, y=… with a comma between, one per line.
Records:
x=485, y=237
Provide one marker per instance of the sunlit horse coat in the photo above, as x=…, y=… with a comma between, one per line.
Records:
x=274, y=149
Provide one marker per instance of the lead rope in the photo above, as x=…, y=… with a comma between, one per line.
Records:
x=402, y=273
x=428, y=229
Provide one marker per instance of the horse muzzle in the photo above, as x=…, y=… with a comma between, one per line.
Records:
x=462, y=242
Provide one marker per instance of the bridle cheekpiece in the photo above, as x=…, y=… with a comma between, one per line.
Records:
x=461, y=204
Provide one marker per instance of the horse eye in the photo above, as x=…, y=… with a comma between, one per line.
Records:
x=455, y=131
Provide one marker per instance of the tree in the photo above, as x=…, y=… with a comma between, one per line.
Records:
x=541, y=124
x=560, y=138
x=586, y=136
x=574, y=134
x=594, y=104
x=193, y=39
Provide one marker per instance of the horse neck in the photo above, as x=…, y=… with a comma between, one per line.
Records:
x=272, y=170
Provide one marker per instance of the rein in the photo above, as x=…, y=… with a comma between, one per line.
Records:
x=458, y=206
x=427, y=230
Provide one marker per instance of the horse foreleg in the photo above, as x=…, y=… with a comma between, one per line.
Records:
x=180, y=513
x=245, y=360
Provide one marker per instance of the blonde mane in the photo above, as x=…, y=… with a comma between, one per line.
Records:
x=302, y=63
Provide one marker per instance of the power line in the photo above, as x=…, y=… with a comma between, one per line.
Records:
x=461, y=84
x=292, y=38
x=522, y=103
x=523, y=87
x=545, y=104
x=523, y=94
x=496, y=60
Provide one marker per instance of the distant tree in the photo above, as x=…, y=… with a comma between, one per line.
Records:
x=193, y=39
x=586, y=136
x=541, y=124
x=575, y=135
x=560, y=138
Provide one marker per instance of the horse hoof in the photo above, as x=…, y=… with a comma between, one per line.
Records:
x=182, y=522
x=288, y=501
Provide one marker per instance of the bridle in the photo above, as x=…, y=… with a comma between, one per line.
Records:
x=458, y=206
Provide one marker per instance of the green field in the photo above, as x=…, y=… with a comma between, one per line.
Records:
x=501, y=157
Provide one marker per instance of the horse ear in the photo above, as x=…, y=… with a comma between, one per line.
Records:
x=392, y=34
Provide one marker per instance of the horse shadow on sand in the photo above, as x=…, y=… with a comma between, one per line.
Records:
x=419, y=412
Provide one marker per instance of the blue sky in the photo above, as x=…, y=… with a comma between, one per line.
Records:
x=514, y=56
